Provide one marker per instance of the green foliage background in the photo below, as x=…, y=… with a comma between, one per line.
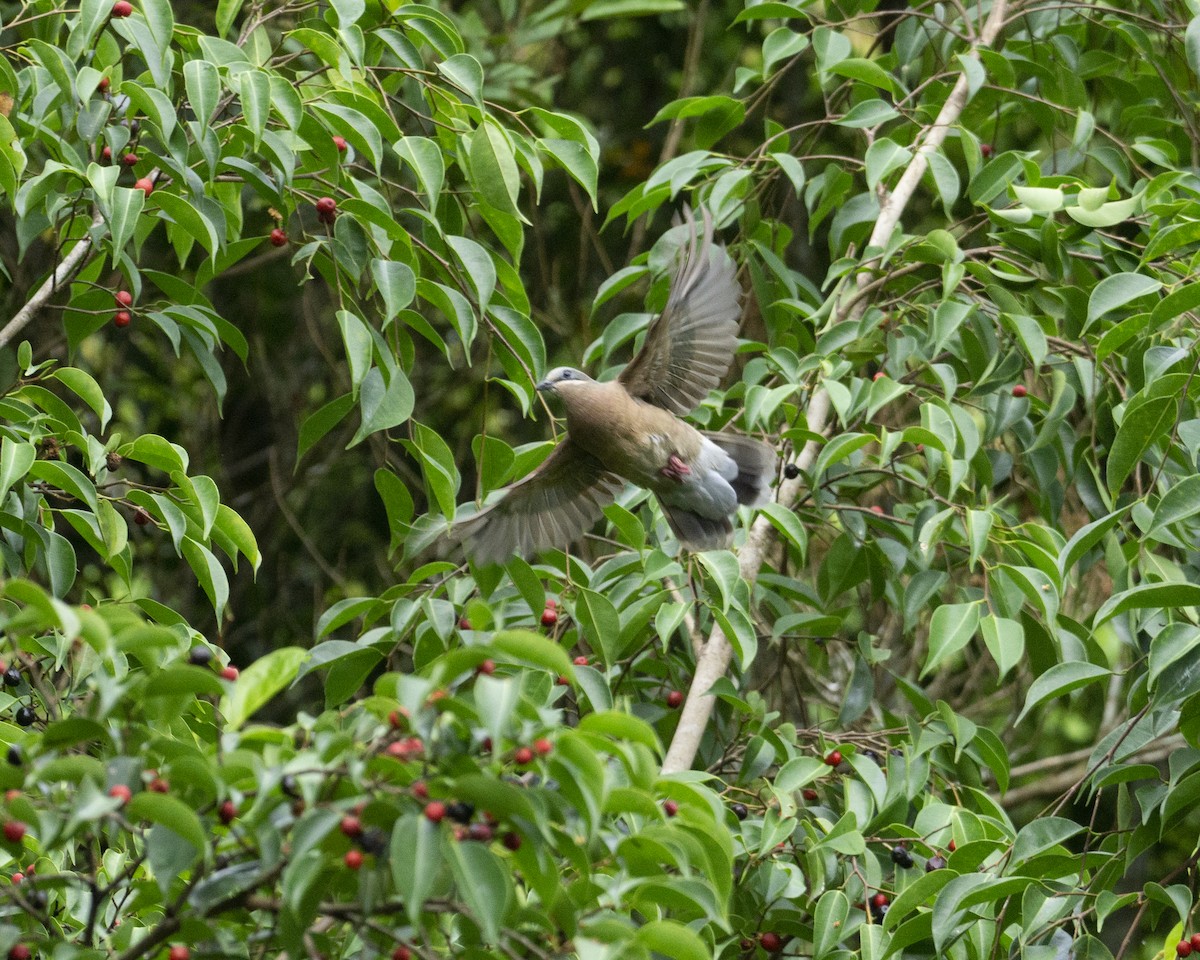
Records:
x=968, y=236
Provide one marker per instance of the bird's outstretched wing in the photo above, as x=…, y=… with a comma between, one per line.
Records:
x=549, y=508
x=690, y=345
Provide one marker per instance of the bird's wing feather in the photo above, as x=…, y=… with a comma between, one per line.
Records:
x=549, y=508
x=690, y=345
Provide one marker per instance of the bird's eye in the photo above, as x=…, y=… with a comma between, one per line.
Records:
x=567, y=375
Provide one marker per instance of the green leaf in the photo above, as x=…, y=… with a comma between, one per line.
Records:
x=1141, y=429
x=425, y=158
x=1117, y=290
x=209, y=573
x=319, y=423
x=672, y=939
x=259, y=682
x=415, y=858
x=396, y=283
x=599, y=623
x=16, y=458
x=170, y=812
x=525, y=646
x=1060, y=680
x=65, y=477
x=384, y=406
x=951, y=628
x=493, y=168
x=1148, y=596
x=829, y=922
x=483, y=883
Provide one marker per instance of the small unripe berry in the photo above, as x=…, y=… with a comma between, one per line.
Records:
x=230, y=673
x=1194, y=940
x=879, y=900
x=549, y=616
x=580, y=661
x=1019, y=390
x=279, y=237
x=810, y=795
x=124, y=298
x=435, y=811
x=142, y=517
x=326, y=209
x=402, y=953
x=145, y=184
x=340, y=143
x=480, y=832
x=353, y=859
x=771, y=942
x=833, y=758
x=103, y=84
x=227, y=812
x=121, y=792
x=511, y=841
x=122, y=318
x=542, y=746
x=122, y=9
x=523, y=756
x=674, y=699
x=351, y=826
x=670, y=808
x=130, y=159
x=1183, y=948
x=19, y=952
x=106, y=154
x=986, y=150
x=488, y=667
x=18, y=877
x=178, y=952
x=14, y=831
x=420, y=790
x=159, y=785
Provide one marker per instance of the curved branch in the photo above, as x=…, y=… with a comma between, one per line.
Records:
x=70, y=263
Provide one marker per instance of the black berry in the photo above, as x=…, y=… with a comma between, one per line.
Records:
x=200, y=656
x=14, y=755
x=12, y=677
x=739, y=810
x=901, y=857
x=25, y=716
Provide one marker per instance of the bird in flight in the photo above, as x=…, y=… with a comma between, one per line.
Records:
x=629, y=430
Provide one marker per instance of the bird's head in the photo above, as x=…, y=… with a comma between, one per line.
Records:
x=566, y=382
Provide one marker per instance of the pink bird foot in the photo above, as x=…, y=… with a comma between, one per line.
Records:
x=676, y=469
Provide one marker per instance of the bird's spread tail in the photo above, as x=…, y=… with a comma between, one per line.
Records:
x=756, y=463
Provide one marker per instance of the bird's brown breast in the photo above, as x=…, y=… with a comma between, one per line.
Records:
x=630, y=437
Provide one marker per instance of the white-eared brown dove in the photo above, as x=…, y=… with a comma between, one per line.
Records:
x=629, y=430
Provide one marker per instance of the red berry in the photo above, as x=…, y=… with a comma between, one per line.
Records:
x=106, y=154
x=1183, y=948
x=770, y=941
x=145, y=184
x=14, y=831
x=523, y=756
x=879, y=900
x=279, y=237
x=159, y=785
x=228, y=812
x=580, y=661
x=670, y=808
x=1019, y=390
x=103, y=84
x=879, y=375
x=488, y=667
x=420, y=790
x=178, y=952
x=402, y=953
x=833, y=758
x=353, y=859
x=542, y=746
x=130, y=159
x=674, y=699
x=230, y=673
x=549, y=617
x=1194, y=941
x=142, y=517
x=952, y=846
x=435, y=811
x=124, y=298
x=877, y=509
x=340, y=143
x=19, y=952
x=121, y=792
x=11, y=795
x=511, y=841
x=562, y=680
x=985, y=150
x=122, y=318
x=326, y=211
x=810, y=795
x=18, y=877
x=463, y=622
x=351, y=826
x=398, y=718
x=122, y=8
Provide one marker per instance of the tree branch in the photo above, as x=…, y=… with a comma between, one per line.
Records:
x=70, y=263
x=717, y=652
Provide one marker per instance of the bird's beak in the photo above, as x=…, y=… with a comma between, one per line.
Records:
x=544, y=386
